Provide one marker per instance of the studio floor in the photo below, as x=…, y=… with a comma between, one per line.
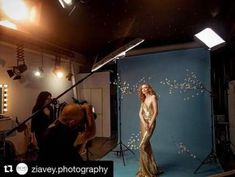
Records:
x=173, y=165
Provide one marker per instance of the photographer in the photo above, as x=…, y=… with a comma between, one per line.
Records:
x=59, y=143
x=87, y=129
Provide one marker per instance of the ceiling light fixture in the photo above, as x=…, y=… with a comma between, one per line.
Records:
x=19, y=12
x=209, y=38
x=70, y=74
x=39, y=71
x=58, y=70
x=21, y=67
x=15, y=9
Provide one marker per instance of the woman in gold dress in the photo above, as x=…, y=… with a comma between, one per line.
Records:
x=148, y=114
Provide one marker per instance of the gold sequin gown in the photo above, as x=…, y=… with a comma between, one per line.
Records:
x=147, y=164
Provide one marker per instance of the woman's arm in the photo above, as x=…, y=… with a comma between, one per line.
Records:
x=90, y=122
x=155, y=110
x=141, y=115
x=90, y=129
x=32, y=135
x=144, y=123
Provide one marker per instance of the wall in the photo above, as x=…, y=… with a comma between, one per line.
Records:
x=23, y=93
x=179, y=77
x=96, y=90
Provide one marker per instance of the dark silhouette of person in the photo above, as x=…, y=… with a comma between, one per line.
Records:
x=62, y=139
x=42, y=119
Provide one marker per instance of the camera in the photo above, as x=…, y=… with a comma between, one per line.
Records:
x=81, y=102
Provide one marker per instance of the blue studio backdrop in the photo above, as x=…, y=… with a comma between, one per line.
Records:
x=181, y=79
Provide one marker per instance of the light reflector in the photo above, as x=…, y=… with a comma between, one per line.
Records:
x=116, y=54
x=210, y=38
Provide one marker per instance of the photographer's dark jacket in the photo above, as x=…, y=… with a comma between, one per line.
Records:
x=57, y=144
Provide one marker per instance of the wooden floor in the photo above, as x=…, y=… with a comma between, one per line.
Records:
x=99, y=147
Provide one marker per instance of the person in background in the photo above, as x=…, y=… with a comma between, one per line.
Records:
x=43, y=117
x=62, y=139
x=148, y=113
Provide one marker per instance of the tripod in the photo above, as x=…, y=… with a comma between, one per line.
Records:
x=212, y=156
x=122, y=147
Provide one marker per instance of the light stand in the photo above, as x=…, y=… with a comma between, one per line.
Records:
x=212, y=156
x=122, y=147
x=213, y=41
x=117, y=54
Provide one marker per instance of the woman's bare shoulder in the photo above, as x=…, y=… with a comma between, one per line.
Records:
x=153, y=97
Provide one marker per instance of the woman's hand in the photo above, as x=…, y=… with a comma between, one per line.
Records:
x=33, y=139
x=146, y=126
x=46, y=111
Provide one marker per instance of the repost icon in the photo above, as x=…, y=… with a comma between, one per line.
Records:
x=8, y=168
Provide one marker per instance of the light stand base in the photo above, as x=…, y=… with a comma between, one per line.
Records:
x=210, y=158
x=122, y=149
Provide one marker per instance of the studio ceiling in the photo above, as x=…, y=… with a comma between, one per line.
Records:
x=97, y=27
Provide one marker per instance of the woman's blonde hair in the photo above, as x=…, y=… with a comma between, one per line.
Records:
x=151, y=92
